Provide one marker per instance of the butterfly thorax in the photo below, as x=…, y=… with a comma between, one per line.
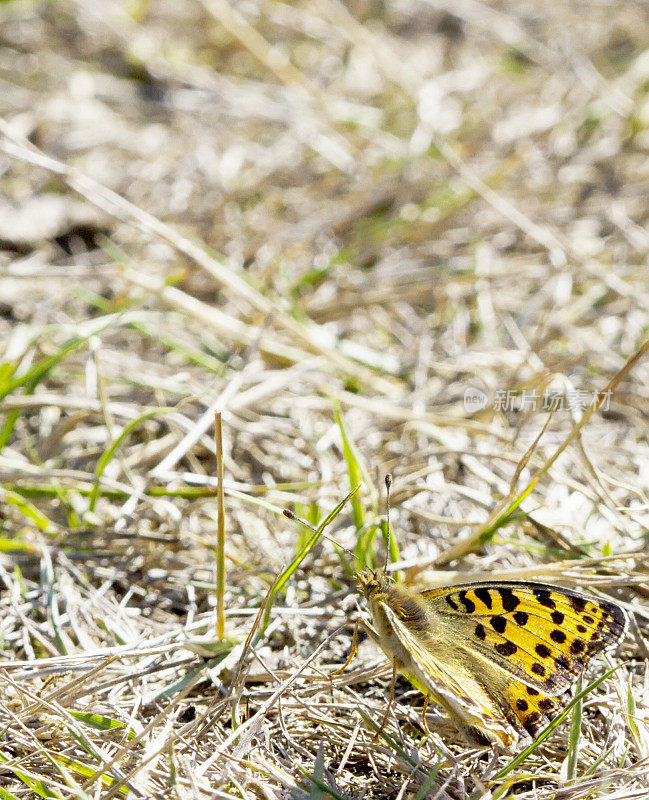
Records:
x=380, y=589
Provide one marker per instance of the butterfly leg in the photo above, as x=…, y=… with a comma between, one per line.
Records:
x=393, y=684
x=350, y=656
x=423, y=714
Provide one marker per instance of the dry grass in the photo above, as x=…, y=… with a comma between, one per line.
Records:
x=330, y=221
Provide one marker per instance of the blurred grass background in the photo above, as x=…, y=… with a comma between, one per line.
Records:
x=379, y=236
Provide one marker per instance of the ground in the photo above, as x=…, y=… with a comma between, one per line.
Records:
x=378, y=237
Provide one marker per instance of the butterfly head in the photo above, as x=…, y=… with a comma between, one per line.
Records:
x=374, y=585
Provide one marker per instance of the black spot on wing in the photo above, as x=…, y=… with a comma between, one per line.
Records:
x=498, y=623
x=543, y=651
x=605, y=625
x=538, y=669
x=521, y=617
x=508, y=599
x=558, y=617
x=522, y=705
x=484, y=595
x=532, y=721
x=544, y=598
x=577, y=647
x=577, y=602
x=480, y=632
x=506, y=648
x=467, y=602
x=449, y=599
x=558, y=636
x=617, y=617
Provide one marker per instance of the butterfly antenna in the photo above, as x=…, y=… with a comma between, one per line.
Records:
x=388, y=486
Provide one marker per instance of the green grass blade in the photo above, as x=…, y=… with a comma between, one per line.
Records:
x=16, y=546
x=284, y=577
x=391, y=543
x=392, y=743
x=334, y=513
x=39, y=519
x=99, y=721
x=201, y=359
x=575, y=735
x=29, y=381
x=8, y=427
x=35, y=375
x=319, y=789
x=364, y=549
x=599, y=761
x=108, y=454
x=37, y=786
x=7, y=369
x=295, y=563
x=504, y=788
x=631, y=720
x=69, y=765
x=427, y=785
x=354, y=467
x=190, y=677
x=5, y=795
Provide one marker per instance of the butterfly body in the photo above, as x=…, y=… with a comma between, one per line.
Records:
x=498, y=656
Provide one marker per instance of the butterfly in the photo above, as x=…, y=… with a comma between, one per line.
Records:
x=498, y=656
